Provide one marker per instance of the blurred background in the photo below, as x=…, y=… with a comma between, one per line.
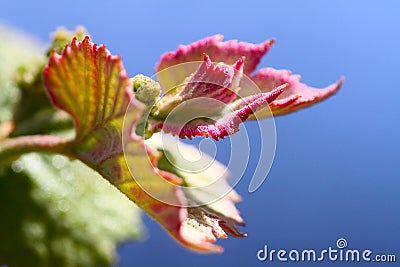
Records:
x=335, y=173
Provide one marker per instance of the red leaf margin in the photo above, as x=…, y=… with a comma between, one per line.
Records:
x=110, y=162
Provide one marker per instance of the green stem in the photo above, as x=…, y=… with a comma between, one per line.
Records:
x=12, y=148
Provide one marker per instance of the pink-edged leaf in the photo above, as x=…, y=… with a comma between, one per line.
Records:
x=217, y=81
x=174, y=67
x=186, y=122
x=92, y=86
x=227, y=52
x=210, y=81
x=212, y=213
x=296, y=96
x=89, y=83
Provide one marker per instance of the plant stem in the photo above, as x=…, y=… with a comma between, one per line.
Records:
x=12, y=148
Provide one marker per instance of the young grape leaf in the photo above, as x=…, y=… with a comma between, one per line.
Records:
x=93, y=87
x=54, y=212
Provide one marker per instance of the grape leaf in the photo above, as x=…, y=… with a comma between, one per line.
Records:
x=214, y=46
x=296, y=96
x=56, y=212
x=92, y=86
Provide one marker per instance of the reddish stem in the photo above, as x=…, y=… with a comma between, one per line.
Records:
x=12, y=148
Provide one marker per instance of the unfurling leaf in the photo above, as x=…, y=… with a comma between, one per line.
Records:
x=228, y=52
x=296, y=96
x=211, y=99
x=92, y=86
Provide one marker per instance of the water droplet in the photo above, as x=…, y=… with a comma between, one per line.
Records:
x=17, y=166
x=59, y=162
x=33, y=163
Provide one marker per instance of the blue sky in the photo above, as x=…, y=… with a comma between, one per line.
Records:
x=335, y=172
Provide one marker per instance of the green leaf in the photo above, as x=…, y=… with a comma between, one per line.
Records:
x=55, y=212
